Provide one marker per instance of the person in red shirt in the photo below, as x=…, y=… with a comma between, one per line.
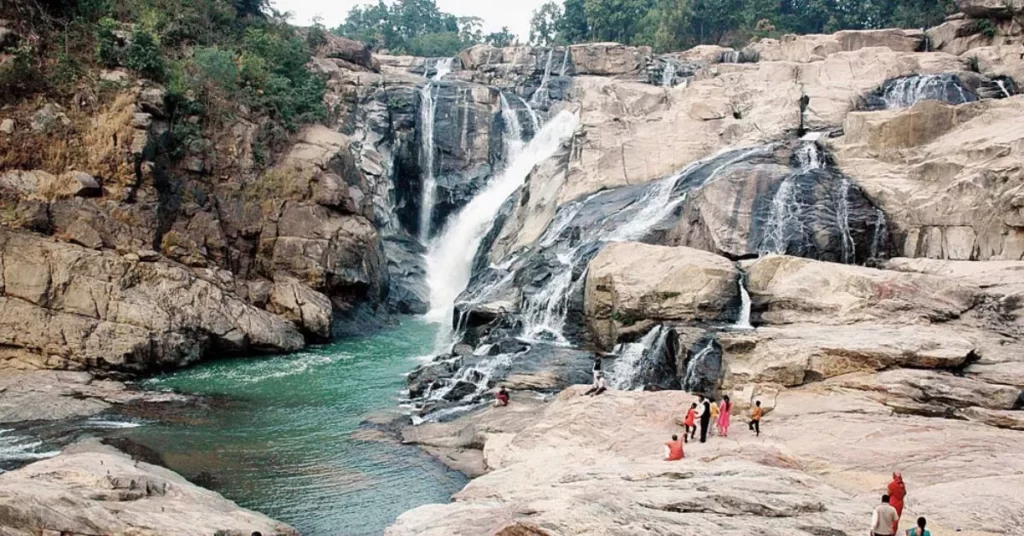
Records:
x=674, y=449
x=897, y=492
x=501, y=399
x=691, y=422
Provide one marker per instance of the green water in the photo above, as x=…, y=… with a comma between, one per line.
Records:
x=285, y=438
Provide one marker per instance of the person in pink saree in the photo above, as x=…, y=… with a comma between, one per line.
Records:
x=724, y=416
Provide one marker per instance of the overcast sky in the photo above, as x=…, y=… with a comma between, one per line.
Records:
x=496, y=13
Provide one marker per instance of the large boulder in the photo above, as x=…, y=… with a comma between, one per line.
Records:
x=64, y=306
x=808, y=48
x=787, y=290
x=631, y=282
x=608, y=59
x=303, y=306
x=354, y=52
x=94, y=489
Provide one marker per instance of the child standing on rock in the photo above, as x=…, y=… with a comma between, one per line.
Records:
x=691, y=422
x=755, y=422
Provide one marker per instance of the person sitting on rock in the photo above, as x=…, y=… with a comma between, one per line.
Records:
x=597, y=366
x=501, y=399
x=674, y=449
x=755, y=421
x=691, y=422
x=884, y=518
x=599, y=385
x=919, y=530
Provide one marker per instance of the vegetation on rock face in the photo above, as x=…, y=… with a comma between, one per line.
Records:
x=417, y=27
x=678, y=24
x=217, y=59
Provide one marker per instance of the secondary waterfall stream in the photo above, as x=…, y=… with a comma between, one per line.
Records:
x=428, y=112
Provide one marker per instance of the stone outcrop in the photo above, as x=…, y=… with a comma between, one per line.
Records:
x=553, y=470
x=809, y=48
x=631, y=281
x=94, y=489
x=64, y=306
x=956, y=198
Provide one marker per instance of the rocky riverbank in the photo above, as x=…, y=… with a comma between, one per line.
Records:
x=593, y=465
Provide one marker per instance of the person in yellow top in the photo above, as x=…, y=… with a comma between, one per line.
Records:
x=714, y=412
x=755, y=422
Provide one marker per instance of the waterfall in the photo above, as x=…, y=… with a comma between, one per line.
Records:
x=565, y=62
x=536, y=98
x=572, y=245
x=784, y=219
x=730, y=56
x=909, y=90
x=879, y=235
x=743, y=322
x=533, y=114
x=450, y=257
x=637, y=360
x=513, y=129
x=702, y=370
x=668, y=75
x=843, y=221
x=444, y=67
x=1002, y=87
x=428, y=108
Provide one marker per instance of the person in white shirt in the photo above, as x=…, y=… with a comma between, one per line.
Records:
x=884, y=518
x=600, y=385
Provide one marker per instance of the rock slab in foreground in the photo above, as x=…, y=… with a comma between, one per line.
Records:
x=94, y=489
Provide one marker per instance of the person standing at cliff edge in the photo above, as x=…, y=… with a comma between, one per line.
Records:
x=705, y=419
x=897, y=492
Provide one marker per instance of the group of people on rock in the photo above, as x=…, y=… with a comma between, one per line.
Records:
x=708, y=411
x=885, y=520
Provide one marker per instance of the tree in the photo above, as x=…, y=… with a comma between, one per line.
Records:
x=471, y=30
x=617, y=20
x=544, y=24
x=250, y=8
x=504, y=38
x=573, y=26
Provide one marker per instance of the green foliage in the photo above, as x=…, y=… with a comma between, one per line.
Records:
x=544, y=24
x=20, y=75
x=987, y=28
x=678, y=24
x=317, y=35
x=145, y=56
x=504, y=38
x=974, y=64
x=415, y=27
x=109, y=49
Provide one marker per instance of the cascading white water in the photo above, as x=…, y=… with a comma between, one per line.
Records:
x=784, y=219
x=544, y=311
x=637, y=358
x=450, y=257
x=1002, y=87
x=428, y=111
x=668, y=75
x=743, y=322
x=731, y=56
x=514, y=129
x=909, y=90
x=541, y=92
x=690, y=379
x=533, y=115
x=565, y=62
x=843, y=221
x=879, y=235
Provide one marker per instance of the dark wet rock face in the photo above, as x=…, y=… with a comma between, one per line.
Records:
x=702, y=370
x=907, y=91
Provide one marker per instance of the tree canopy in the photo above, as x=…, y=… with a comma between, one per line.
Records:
x=678, y=24
x=417, y=27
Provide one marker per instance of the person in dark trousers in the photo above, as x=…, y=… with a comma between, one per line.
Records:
x=597, y=366
x=755, y=421
x=691, y=422
x=600, y=385
x=705, y=419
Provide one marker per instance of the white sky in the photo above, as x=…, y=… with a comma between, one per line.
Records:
x=496, y=13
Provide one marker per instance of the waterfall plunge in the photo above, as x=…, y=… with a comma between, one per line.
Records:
x=450, y=257
x=428, y=110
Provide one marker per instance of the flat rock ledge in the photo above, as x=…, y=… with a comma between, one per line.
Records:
x=91, y=489
x=593, y=465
